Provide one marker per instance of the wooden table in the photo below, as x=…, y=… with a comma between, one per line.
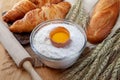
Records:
x=8, y=69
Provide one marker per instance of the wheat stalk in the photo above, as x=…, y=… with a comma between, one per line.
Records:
x=70, y=12
x=118, y=76
x=102, y=66
x=82, y=18
x=75, y=11
x=115, y=71
x=117, y=66
x=103, y=51
x=80, y=74
x=113, y=51
x=106, y=59
x=105, y=75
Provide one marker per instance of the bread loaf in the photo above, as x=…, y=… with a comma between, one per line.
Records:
x=102, y=21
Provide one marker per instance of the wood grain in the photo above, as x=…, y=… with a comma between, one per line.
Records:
x=8, y=69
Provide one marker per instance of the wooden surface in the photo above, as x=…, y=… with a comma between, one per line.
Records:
x=8, y=69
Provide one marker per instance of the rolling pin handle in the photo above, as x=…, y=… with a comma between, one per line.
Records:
x=29, y=68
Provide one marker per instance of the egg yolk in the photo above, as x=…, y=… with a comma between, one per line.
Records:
x=60, y=37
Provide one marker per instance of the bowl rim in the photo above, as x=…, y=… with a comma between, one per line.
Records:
x=49, y=22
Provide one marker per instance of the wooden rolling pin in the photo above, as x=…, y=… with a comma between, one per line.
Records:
x=16, y=51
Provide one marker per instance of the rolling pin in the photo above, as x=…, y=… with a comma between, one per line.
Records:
x=17, y=52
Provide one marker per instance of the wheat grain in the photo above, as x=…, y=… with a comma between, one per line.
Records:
x=75, y=10
x=105, y=75
x=117, y=66
x=103, y=51
x=102, y=66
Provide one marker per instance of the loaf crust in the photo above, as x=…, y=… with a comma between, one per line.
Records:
x=102, y=21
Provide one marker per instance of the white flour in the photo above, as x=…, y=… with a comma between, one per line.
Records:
x=42, y=44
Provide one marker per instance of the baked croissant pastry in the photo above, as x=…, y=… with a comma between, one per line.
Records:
x=18, y=10
x=40, y=3
x=36, y=16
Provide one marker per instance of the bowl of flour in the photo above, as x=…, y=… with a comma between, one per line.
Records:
x=54, y=57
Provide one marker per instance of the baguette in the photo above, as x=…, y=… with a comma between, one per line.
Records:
x=102, y=21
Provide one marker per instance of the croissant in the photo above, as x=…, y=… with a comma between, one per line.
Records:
x=36, y=16
x=18, y=10
x=40, y=3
